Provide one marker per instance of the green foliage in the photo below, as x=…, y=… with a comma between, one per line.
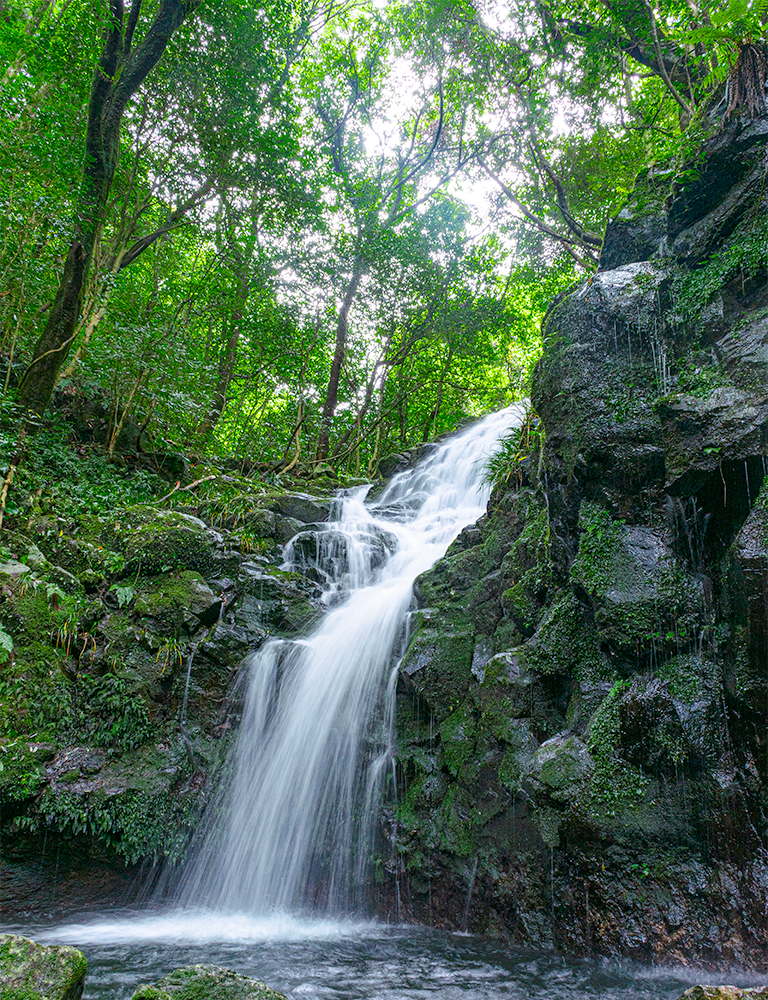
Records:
x=104, y=711
x=743, y=256
x=504, y=468
x=124, y=594
x=6, y=646
x=731, y=25
x=134, y=824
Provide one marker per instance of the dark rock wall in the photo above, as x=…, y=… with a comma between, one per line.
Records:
x=583, y=708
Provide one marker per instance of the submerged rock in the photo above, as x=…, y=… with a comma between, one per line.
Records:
x=206, y=982
x=31, y=971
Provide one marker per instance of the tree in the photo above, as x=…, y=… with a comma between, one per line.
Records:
x=119, y=74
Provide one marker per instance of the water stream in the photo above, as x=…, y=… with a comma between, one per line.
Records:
x=274, y=889
x=316, y=735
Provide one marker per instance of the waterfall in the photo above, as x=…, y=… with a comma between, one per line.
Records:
x=295, y=824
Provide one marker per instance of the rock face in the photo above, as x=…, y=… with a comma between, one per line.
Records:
x=581, y=721
x=724, y=993
x=206, y=982
x=121, y=694
x=30, y=971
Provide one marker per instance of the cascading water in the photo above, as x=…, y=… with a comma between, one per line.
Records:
x=315, y=738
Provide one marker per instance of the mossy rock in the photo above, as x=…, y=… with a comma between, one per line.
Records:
x=724, y=993
x=181, y=600
x=641, y=595
x=206, y=982
x=21, y=768
x=31, y=971
x=156, y=541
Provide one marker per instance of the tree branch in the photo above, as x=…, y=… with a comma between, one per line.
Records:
x=586, y=262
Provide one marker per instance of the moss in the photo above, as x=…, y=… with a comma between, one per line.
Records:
x=206, y=982
x=601, y=556
x=457, y=735
x=156, y=541
x=517, y=756
x=615, y=786
x=565, y=641
x=30, y=971
x=685, y=676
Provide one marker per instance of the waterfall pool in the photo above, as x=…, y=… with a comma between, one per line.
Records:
x=336, y=960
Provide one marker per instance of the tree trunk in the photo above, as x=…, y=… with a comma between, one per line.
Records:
x=119, y=74
x=332, y=393
x=746, y=81
x=227, y=362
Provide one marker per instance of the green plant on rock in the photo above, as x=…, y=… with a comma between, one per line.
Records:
x=505, y=467
x=170, y=653
x=743, y=255
x=600, y=543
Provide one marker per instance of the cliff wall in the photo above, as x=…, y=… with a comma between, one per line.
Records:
x=583, y=748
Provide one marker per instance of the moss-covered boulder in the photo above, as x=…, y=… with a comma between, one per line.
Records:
x=31, y=971
x=156, y=541
x=206, y=982
x=172, y=603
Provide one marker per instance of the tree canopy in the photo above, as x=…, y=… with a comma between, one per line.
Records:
x=321, y=230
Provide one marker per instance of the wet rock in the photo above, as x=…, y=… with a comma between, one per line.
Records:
x=228, y=644
x=160, y=540
x=301, y=507
x=195, y=982
x=183, y=600
x=327, y=555
x=640, y=228
x=724, y=993
x=393, y=464
x=31, y=971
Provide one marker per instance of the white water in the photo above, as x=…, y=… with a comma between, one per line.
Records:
x=315, y=740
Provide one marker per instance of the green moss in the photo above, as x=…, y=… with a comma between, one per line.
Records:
x=601, y=554
x=566, y=641
x=457, y=735
x=30, y=971
x=206, y=982
x=744, y=253
x=156, y=541
x=615, y=786
x=699, y=375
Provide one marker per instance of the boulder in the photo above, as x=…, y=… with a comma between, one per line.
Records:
x=12, y=570
x=724, y=993
x=156, y=541
x=31, y=971
x=183, y=600
x=301, y=507
x=206, y=982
